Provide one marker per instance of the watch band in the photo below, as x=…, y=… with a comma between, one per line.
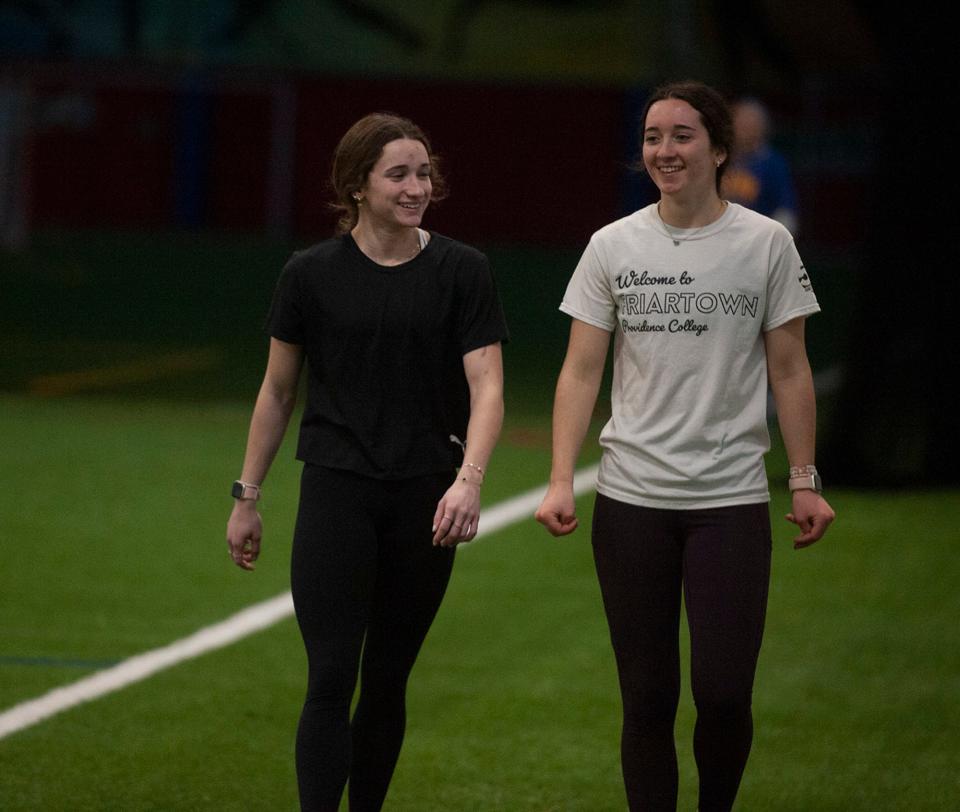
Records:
x=244, y=490
x=806, y=482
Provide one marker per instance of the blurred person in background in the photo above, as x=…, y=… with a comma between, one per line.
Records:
x=758, y=176
x=707, y=301
x=401, y=330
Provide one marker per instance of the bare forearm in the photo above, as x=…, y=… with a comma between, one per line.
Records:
x=271, y=414
x=483, y=368
x=456, y=518
x=797, y=415
x=573, y=405
x=483, y=429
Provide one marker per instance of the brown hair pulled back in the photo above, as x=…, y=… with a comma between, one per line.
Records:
x=714, y=114
x=358, y=152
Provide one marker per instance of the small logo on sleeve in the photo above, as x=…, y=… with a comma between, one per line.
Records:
x=804, y=280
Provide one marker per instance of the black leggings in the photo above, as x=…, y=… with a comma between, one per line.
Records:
x=719, y=560
x=365, y=577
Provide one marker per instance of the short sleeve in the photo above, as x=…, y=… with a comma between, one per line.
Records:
x=789, y=289
x=285, y=317
x=481, y=313
x=588, y=296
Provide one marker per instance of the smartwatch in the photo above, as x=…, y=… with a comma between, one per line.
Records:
x=244, y=490
x=809, y=481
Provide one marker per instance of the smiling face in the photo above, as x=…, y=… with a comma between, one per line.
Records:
x=398, y=188
x=677, y=152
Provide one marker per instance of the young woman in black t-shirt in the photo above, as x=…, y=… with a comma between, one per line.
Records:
x=401, y=331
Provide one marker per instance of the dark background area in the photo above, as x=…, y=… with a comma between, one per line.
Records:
x=151, y=191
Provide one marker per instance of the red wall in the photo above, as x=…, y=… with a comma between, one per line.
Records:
x=102, y=155
x=248, y=153
x=523, y=163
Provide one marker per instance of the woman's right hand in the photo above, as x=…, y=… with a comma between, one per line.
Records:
x=244, y=530
x=558, y=510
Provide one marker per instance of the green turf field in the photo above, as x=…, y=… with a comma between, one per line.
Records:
x=112, y=525
x=112, y=511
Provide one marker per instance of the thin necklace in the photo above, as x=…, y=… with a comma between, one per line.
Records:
x=677, y=239
x=421, y=244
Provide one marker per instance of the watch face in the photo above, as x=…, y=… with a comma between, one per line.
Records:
x=237, y=490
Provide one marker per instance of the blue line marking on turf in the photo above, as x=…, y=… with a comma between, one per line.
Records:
x=56, y=662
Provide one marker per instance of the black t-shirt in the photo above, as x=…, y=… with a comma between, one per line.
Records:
x=387, y=396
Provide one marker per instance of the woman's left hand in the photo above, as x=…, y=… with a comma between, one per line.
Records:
x=457, y=514
x=812, y=515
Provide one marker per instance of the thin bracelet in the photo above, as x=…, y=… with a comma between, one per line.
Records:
x=478, y=469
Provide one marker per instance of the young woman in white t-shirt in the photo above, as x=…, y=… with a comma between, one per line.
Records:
x=706, y=301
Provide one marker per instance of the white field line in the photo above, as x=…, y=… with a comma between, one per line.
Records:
x=246, y=622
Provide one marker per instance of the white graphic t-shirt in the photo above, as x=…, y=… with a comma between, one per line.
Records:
x=688, y=308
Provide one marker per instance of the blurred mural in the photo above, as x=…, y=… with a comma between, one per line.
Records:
x=464, y=39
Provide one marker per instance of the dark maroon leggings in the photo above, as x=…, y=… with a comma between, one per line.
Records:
x=719, y=561
x=367, y=583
